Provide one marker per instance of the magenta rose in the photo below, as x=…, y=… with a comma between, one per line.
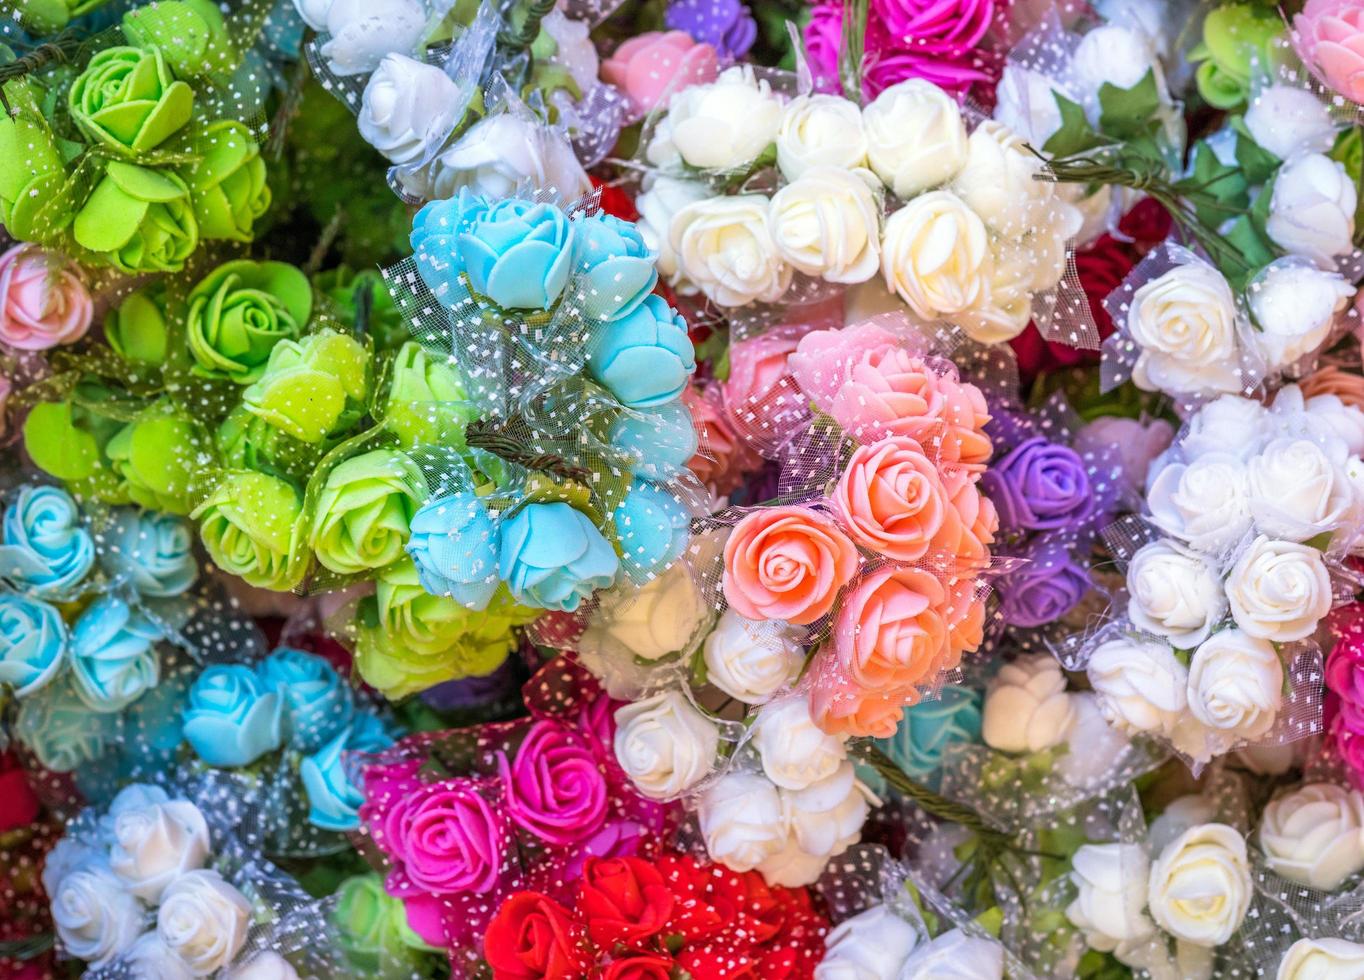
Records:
x=447, y=838
x=555, y=788
x=43, y=302
x=1345, y=676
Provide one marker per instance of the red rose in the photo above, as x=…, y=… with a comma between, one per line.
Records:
x=694, y=914
x=533, y=937
x=640, y=968
x=719, y=961
x=624, y=900
x=615, y=201
x=18, y=803
x=1147, y=224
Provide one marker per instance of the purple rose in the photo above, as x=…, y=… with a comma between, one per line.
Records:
x=555, y=789
x=446, y=838
x=724, y=24
x=1042, y=591
x=1039, y=486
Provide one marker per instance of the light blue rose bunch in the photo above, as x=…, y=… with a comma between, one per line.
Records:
x=61, y=730
x=114, y=659
x=319, y=701
x=454, y=546
x=33, y=643
x=652, y=528
x=154, y=552
x=46, y=550
x=436, y=229
x=519, y=253
x=658, y=441
x=929, y=728
x=644, y=358
x=333, y=798
x=232, y=717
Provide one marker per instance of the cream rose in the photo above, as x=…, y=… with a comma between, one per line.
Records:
x=794, y=751
x=203, y=919
x=1204, y=503
x=95, y=917
x=1322, y=959
x=155, y=844
x=1278, y=590
x=1295, y=305
x=955, y=956
x=742, y=820
x=1314, y=835
x=1140, y=684
x=872, y=945
x=662, y=199
x=1111, y=881
x=1200, y=885
x=1235, y=685
x=1174, y=593
x=820, y=131
x=651, y=622
x=935, y=255
x=1297, y=490
x=826, y=223
x=1338, y=419
x=1013, y=267
x=916, y=139
x=151, y=958
x=1184, y=321
x=1312, y=211
x=1027, y=707
x=748, y=660
x=405, y=112
x=665, y=744
x=723, y=125
x=999, y=182
x=724, y=247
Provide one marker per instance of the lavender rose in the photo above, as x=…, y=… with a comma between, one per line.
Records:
x=1045, y=589
x=1039, y=486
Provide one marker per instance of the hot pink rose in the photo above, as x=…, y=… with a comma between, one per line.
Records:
x=657, y=63
x=760, y=397
x=786, y=563
x=892, y=501
x=555, y=789
x=890, y=631
x=945, y=28
x=723, y=460
x=446, y=838
x=1329, y=36
x=43, y=302
x=1345, y=676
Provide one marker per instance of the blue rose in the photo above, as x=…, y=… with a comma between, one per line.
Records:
x=154, y=551
x=46, y=552
x=333, y=799
x=552, y=557
x=652, y=528
x=454, y=546
x=33, y=643
x=232, y=718
x=645, y=358
x=659, y=441
x=113, y=654
x=929, y=727
x=319, y=701
x=435, y=241
x=154, y=721
x=615, y=268
x=519, y=254
x=60, y=729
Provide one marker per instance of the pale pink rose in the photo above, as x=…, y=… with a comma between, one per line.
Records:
x=761, y=399
x=786, y=563
x=657, y=63
x=43, y=302
x=1329, y=37
x=724, y=459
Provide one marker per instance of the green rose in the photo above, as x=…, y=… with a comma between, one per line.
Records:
x=384, y=322
x=248, y=443
x=239, y=311
x=137, y=327
x=313, y=387
x=426, y=400
x=1235, y=37
x=156, y=457
x=31, y=168
x=373, y=924
x=190, y=33
x=68, y=441
x=129, y=100
x=50, y=16
x=364, y=512
x=139, y=219
x=248, y=525
x=227, y=184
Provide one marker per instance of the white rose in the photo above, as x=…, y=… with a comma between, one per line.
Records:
x=96, y=918
x=364, y=31
x=151, y=958
x=1111, y=55
x=916, y=139
x=1312, y=212
x=203, y=919
x=663, y=198
x=826, y=223
x=1141, y=686
x=67, y=855
x=1008, y=311
x=1236, y=685
x=1315, y=835
x=573, y=48
x=1027, y=708
x=1295, y=305
x=500, y=155
x=935, y=254
x=1229, y=424
x=795, y=751
x=1200, y=885
x=792, y=867
x=724, y=247
x=872, y=945
x=1179, y=815
x=265, y=966
x=1278, y=590
x=998, y=180
x=1205, y=503
x=1111, y=881
x=406, y=112
x=1343, y=421
x=1184, y=321
x=742, y=820
x=154, y=845
x=1025, y=101
x=825, y=818
x=313, y=12
x=1269, y=760
x=1174, y=593
x=955, y=956
x=1287, y=120
x=750, y=661
x=820, y=131
x=655, y=620
x=664, y=744
x=1322, y=959
x=1104, y=745
x=1297, y=491
x=724, y=125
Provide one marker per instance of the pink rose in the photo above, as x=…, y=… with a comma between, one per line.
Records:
x=43, y=302
x=6, y=388
x=890, y=632
x=445, y=838
x=723, y=460
x=1345, y=676
x=657, y=63
x=760, y=397
x=786, y=563
x=892, y=501
x=1329, y=37
x=824, y=44
x=555, y=789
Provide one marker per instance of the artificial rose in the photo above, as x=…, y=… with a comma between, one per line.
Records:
x=555, y=789
x=1321, y=959
x=150, y=957
x=1111, y=881
x=1295, y=305
x=724, y=125
x=31, y=167
x=742, y=821
x=892, y=500
x=267, y=965
x=659, y=619
x=624, y=900
x=1329, y=35
x=794, y=752
x=749, y=660
x=1025, y=102
x=138, y=219
x=96, y=918
x=890, y=633
x=664, y=744
x=935, y=256
x=662, y=199
x=237, y=314
x=43, y=302
x=1046, y=588
x=1286, y=121
x=871, y=945
x=645, y=357
x=825, y=819
x=1312, y=211
x=1141, y=685
x=727, y=24
x=361, y=32
x=820, y=131
x=248, y=527
x=499, y=154
x=756, y=393
x=155, y=844
x=1114, y=55
x=1040, y=486
x=364, y=512
x=786, y=563
x=533, y=937
x=1299, y=489
x=1205, y=503
x=999, y=181
x=1184, y=322
x=446, y=838
x=916, y=139
x=129, y=100
x=655, y=64
x=227, y=183
x=1314, y=835
x=1199, y=887
x=553, y=557
x=826, y=223
x=1027, y=707
x=954, y=955
x=1236, y=685
x=722, y=460
x=1174, y=593
x=1278, y=590
x=1229, y=425
x=1138, y=443
x=204, y=920
x=724, y=247
x=406, y=112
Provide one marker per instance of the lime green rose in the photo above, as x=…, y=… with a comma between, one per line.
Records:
x=69, y=441
x=31, y=168
x=364, y=512
x=373, y=924
x=128, y=100
x=137, y=328
x=1236, y=38
x=190, y=33
x=248, y=525
x=227, y=184
x=312, y=388
x=426, y=400
x=239, y=312
x=50, y=16
x=384, y=322
x=157, y=457
x=138, y=219
x=249, y=443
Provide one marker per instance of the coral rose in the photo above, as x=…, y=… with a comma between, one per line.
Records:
x=845, y=708
x=723, y=459
x=786, y=563
x=892, y=500
x=890, y=630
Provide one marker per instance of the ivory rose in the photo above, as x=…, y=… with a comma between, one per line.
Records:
x=1314, y=835
x=827, y=223
x=1200, y=887
x=935, y=255
x=916, y=138
x=892, y=501
x=1278, y=590
x=724, y=247
x=820, y=131
x=1236, y=685
x=786, y=563
x=890, y=631
x=1184, y=321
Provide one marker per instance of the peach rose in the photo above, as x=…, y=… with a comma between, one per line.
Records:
x=1331, y=380
x=844, y=708
x=892, y=500
x=970, y=535
x=657, y=63
x=965, y=617
x=786, y=563
x=43, y=302
x=724, y=459
x=890, y=631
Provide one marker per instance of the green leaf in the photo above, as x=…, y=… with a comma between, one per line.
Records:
x=1076, y=135
x=1321, y=541
x=1257, y=163
x=1215, y=189
x=1125, y=112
